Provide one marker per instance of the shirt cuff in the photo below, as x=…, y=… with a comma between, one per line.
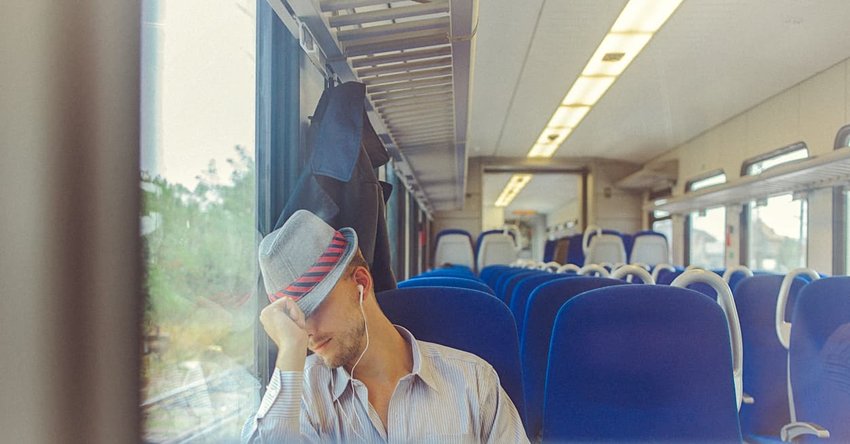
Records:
x=283, y=395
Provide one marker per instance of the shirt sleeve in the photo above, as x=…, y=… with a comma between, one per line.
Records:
x=500, y=421
x=280, y=418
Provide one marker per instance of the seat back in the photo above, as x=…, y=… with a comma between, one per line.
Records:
x=445, y=281
x=549, y=250
x=640, y=363
x=454, y=247
x=820, y=356
x=606, y=248
x=543, y=305
x=506, y=288
x=495, y=247
x=521, y=292
x=575, y=251
x=651, y=248
x=765, y=359
x=465, y=319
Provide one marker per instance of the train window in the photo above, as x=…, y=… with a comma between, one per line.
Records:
x=662, y=222
x=776, y=227
x=707, y=228
x=759, y=164
x=705, y=181
x=706, y=237
x=198, y=219
x=777, y=233
x=842, y=139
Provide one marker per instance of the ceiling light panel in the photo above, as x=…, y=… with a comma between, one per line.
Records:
x=567, y=117
x=645, y=15
x=588, y=90
x=615, y=53
x=516, y=183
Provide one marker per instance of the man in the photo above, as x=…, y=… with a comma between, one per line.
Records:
x=367, y=379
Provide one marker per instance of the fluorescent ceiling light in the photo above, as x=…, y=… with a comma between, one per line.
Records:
x=615, y=53
x=632, y=31
x=514, y=186
x=540, y=150
x=645, y=15
x=567, y=117
x=588, y=90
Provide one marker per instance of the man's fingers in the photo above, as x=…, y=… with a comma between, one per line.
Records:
x=294, y=312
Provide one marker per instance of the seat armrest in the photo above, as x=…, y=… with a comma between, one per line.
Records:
x=794, y=430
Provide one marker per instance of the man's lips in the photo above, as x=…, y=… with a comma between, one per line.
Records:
x=321, y=345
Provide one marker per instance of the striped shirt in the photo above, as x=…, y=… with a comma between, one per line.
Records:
x=450, y=396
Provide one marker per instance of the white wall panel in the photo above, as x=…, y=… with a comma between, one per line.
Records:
x=822, y=105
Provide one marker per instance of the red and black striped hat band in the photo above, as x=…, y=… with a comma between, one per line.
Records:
x=317, y=272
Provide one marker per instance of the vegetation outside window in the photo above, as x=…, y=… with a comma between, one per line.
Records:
x=198, y=219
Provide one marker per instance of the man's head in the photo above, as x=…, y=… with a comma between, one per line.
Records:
x=304, y=259
x=323, y=271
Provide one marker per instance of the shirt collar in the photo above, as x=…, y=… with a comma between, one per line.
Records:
x=422, y=368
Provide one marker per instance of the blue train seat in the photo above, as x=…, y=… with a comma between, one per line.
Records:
x=454, y=247
x=640, y=363
x=649, y=247
x=765, y=359
x=543, y=306
x=523, y=288
x=444, y=281
x=465, y=319
x=495, y=247
x=819, y=361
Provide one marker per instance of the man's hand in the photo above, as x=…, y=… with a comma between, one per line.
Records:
x=284, y=323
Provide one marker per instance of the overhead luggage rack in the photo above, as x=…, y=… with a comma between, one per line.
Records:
x=414, y=56
x=822, y=171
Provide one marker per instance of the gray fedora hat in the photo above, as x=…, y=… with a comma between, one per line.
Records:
x=304, y=259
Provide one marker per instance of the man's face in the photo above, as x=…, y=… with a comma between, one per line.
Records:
x=335, y=329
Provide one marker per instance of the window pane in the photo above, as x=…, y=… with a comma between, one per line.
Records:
x=198, y=219
x=707, y=182
x=759, y=167
x=707, y=237
x=665, y=227
x=777, y=234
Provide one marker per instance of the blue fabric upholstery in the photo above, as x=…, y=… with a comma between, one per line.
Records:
x=443, y=281
x=820, y=356
x=575, y=253
x=491, y=273
x=543, y=306
x=640, y=363
x=549, y=250
x=452, y=271
x=499, y=284
x=465, y=319
x=665, y=277
x=765, y=359
x=505, y=292
x=523, y=288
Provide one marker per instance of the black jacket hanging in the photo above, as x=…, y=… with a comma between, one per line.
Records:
x=339, y=184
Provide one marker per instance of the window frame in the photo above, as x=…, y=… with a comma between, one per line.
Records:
x=689, y=185
x=746, y=164
x=278, y=142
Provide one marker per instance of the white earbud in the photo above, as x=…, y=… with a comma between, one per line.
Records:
x=360, y=289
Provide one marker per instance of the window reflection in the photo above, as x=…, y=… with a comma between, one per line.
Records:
x=198, y=219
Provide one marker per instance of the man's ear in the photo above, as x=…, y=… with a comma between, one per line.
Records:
x=364, y=278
